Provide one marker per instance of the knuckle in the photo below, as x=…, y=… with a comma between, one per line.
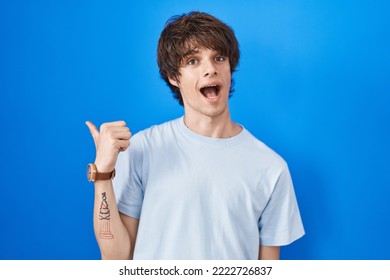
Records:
x=103, y=128
x=109, y=132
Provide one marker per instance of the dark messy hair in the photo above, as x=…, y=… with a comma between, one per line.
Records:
x=183, y=34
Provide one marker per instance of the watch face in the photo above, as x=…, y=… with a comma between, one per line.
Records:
x=91, y=172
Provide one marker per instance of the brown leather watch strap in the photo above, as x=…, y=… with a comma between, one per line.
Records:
x=105, y=176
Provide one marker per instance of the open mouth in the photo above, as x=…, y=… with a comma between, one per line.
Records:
x=210, y=91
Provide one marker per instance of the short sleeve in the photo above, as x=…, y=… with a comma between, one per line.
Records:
x=280, y=223
x=128, y=179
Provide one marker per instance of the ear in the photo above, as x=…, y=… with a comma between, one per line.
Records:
x=173, y=82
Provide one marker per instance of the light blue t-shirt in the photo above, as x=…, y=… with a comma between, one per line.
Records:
x=205, y=198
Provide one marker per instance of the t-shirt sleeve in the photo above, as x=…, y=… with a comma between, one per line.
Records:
x=128, y=179
x=280, y=223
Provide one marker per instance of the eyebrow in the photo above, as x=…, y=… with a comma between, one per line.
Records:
x=190, y=52
x=195, y=51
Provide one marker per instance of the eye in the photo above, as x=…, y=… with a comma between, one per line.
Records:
x=219, y=58
x=192, y=61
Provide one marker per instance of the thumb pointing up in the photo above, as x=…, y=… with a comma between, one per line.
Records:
x=113, y=137
x=94, y=132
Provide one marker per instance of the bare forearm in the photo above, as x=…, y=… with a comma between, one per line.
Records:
x=111, y=234
x=269, y=253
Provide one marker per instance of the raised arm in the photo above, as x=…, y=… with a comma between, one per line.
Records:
x=115, y=233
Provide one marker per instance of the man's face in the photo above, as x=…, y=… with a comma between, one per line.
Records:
x=204, y=83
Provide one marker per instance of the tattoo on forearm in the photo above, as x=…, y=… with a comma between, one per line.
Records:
x=104, y=217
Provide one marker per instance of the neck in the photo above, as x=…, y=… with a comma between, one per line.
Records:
x=216, y=127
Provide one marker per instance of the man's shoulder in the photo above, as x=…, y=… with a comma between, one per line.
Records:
x=158, y=130
x=265, y=153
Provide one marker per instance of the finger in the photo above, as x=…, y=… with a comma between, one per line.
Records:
x=115, y=132
x=121, y=135
x=122, y=145
x=116, y=123
x=110, y=127
x=94, y=131
x=114, y=129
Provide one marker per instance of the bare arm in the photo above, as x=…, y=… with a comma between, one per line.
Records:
x=131, y=225
x=269, y=253
x=111, y=233
x=114, y=233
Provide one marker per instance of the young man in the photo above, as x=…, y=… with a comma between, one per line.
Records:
x=198, y=187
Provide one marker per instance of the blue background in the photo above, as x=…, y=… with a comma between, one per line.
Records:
x=313, y=84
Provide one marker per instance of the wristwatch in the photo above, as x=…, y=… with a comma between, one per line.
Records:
x=94, y=175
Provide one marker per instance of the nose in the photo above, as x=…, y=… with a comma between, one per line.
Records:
x=209, y=68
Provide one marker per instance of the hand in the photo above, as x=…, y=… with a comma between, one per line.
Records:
x=113, y=138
